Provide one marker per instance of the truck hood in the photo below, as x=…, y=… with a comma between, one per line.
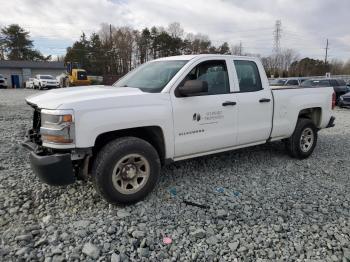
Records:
x=56, y=98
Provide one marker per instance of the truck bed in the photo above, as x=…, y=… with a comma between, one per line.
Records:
x=290, y=101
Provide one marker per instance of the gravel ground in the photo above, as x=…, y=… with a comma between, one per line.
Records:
x=255, y=204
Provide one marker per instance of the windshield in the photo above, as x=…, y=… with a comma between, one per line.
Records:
x=151, y=77
x=46, y=77
x=278, y=82
x=315, y=83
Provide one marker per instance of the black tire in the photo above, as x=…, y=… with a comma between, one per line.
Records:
x=109, y=157
x=294, y=144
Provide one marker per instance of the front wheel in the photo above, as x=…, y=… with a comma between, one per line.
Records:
x=303, y=141
x=126, y=170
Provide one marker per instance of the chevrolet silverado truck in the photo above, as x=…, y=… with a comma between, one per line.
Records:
x=167, y=110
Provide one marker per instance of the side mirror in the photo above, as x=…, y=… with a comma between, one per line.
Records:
x=193, y=87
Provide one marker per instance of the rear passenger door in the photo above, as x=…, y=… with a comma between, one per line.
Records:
x=255, y=103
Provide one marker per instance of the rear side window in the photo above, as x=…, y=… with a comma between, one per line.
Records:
x=248, y=76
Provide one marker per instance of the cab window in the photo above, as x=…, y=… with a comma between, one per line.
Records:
x=248, y=76
x=214, y=72
x=81, y=75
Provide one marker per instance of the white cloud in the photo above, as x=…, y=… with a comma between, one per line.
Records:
x=305, y=24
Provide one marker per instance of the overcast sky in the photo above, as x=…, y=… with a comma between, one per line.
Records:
x=306, y=24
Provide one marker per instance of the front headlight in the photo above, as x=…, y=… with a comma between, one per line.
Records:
x=57, y=126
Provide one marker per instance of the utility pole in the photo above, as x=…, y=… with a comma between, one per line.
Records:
x=240, y=48
x=110, y=34
x=326, y=57
x=111, y=48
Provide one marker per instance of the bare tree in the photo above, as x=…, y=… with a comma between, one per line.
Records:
x=337, y=67
x=346, y=68
x=288, y=56
x=175, y=30
x=237, y=49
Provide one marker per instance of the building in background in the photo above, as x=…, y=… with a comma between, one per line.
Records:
x=17, y=72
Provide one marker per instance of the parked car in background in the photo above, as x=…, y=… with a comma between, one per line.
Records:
x=3, y=82
x=344, y=100
x=45, y=81
x=285, y=82
x=339, y=85
x=29, y=83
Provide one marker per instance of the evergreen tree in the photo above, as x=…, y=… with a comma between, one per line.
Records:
x=16, y=44
x=79, y=53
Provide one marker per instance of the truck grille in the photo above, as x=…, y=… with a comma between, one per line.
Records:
x=36, y=119
x=347, y=99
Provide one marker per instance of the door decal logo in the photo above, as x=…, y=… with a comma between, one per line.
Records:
x=196, y=117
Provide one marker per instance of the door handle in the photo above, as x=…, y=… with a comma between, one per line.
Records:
x=264, y=100
x=229, y=103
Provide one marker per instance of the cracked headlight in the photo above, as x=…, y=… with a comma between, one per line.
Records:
x=57, y=126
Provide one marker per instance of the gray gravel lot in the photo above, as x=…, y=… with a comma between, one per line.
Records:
x=261, y=205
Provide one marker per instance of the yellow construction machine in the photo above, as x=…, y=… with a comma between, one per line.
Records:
x=74, y=76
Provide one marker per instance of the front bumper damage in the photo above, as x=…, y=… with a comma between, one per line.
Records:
x=55, y=169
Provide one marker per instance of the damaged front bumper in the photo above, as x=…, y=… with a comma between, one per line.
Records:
x=54, y=169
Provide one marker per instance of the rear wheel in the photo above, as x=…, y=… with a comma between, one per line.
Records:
x=303, y=141
x=126, y=170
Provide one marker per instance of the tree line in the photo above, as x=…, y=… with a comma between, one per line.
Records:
x=116, y=50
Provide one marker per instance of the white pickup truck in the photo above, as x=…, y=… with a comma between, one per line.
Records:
x=167, y=110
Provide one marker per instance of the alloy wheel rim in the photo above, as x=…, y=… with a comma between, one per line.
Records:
x=130, y=174
x=306, y=139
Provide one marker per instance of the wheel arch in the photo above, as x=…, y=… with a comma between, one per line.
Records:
x=152, y=134
x=313, y=113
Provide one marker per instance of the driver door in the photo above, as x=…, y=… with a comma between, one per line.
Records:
x=205, y=122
